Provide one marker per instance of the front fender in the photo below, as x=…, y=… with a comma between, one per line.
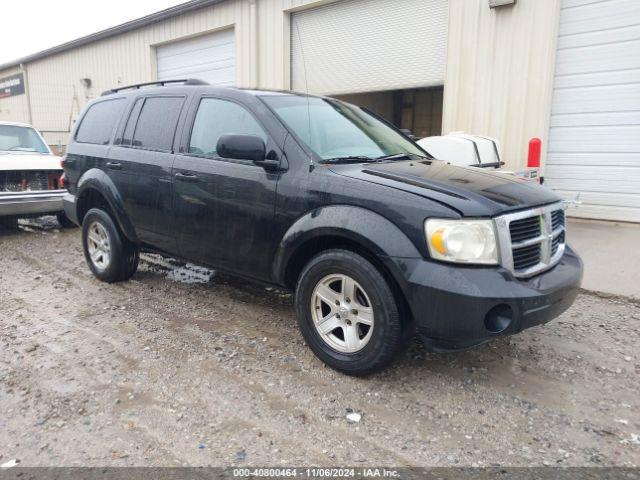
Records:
x=369, y=229
x=97, y=180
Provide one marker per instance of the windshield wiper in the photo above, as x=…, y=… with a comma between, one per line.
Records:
x=399, y=156
x=349, y=159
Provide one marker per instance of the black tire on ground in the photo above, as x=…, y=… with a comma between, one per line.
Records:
x=8, y=223
x=64, y=221
x=124, y=255
x=388, y=338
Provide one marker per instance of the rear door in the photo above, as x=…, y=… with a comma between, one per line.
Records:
x=89, y=147
x=224, y=207
x=142, y=159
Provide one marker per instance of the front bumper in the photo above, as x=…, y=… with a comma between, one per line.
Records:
x=456, y=307
x=29, y=203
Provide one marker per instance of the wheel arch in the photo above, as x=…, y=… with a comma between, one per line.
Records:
x=96, y=189
x=356, y=229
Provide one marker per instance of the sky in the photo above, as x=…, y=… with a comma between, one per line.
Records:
x=29, y=26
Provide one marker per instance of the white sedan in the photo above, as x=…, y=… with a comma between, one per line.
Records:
x=31, y=181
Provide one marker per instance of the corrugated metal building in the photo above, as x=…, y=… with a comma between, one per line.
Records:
x=566, y=71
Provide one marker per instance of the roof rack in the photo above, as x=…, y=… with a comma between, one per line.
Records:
x=162, y=83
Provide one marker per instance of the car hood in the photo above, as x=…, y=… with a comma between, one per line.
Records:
x=28, y=161
x=469, y=190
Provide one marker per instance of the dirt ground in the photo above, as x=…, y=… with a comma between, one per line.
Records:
x=182, y=366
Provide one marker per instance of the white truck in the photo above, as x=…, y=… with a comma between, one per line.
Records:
x=459, y=148
x=31, y=182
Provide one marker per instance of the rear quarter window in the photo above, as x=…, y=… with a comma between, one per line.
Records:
x=99, y=121
x=156, y=125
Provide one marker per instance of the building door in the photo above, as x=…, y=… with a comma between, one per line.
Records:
x=594, y=137
x=211, y=58
x=369, y=46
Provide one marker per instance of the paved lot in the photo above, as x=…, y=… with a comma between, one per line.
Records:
x=157, y=371
x=618, y=243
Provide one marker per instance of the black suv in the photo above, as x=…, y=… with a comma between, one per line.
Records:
x=376, y=237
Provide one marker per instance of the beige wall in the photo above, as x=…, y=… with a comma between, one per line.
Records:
x=500, y=66
x=498, y=81
x=57, y=95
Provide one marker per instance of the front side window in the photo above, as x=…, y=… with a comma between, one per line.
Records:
x=14, y=138
x=217, y=117
x=157, y=123
x=99, y=121
x=333, y=129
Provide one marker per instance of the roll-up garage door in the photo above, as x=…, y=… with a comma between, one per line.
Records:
x=594, y=137
x=369, y=45
x=210, y=57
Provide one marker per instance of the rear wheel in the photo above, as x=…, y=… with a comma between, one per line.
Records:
x=348, y=314
x=64, y=221
x=110, y=256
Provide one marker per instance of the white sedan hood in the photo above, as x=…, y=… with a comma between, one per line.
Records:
x=28, y=161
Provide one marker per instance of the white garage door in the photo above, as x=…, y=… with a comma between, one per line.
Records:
x=594, y=139
x=369, y=45
x=211, y=58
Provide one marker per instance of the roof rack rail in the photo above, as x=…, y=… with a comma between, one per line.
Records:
x=162, y=83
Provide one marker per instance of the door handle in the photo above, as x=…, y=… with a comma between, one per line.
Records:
x=114, y=165
x=186, y=177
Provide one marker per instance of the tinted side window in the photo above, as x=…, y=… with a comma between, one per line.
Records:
x=157, y=122
x=97, y=124
x=127, y=135
x=217, y=117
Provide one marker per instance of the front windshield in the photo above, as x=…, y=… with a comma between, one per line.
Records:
x=333, y=129
x=14, y=138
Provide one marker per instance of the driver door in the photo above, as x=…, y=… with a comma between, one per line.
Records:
x=224, y=208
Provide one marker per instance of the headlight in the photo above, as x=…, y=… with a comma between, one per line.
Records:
x=462, y=241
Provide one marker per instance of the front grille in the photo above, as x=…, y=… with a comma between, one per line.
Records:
x=556, y=242
x=524, y=229
x=532, y=241
x=526, y=257
x=34, y=180
x=557, y=219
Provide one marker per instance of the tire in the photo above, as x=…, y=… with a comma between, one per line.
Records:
x=9, y=223
x=64, y=221
x=372, y=347
x=116, y=259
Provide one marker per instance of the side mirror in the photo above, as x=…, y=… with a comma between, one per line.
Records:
x=242, y=147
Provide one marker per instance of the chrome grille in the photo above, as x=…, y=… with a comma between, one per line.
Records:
x=524, y=229
x=555, y=244
x=557, y=219
x=526, y=257
x=531, y=241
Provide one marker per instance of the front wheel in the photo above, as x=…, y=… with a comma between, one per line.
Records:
x=110, y=256
x=348, y=314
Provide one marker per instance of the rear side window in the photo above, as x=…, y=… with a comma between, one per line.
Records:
x=99, y=121
x=220, y=117
x=127, y=136
x=157, y=122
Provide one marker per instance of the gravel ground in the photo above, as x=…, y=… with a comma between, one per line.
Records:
x=182, y=366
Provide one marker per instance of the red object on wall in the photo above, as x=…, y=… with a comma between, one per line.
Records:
x=535, y=147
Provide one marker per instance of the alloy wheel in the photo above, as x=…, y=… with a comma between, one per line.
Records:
x=98, y=245
x=342, y=313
